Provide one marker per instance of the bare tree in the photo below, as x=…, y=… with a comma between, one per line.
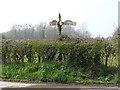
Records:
x=83, y=31
x=44, y=31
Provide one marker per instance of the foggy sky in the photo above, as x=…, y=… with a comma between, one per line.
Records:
x=100, y=16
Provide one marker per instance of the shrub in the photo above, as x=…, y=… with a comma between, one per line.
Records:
x=86, y=54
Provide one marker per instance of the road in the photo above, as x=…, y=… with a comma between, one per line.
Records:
x=4, y=84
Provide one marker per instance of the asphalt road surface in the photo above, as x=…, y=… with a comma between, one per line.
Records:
x=56, y=86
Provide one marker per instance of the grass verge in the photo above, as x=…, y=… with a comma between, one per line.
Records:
x=60, y=72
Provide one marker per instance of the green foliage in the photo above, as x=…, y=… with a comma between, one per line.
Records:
x=59, y=61
x=55, y=71
x=14, y=51
x=32, y=51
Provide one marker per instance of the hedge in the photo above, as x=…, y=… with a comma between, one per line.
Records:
x=33, y=51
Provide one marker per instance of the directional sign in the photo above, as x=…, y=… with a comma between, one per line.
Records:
x=54, y=22
x=59, y=23
x=69, y=22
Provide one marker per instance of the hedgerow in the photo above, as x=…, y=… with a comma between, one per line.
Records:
x=33, y=51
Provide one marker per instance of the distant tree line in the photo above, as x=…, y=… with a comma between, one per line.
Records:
x=43, y=31
x=46, y=32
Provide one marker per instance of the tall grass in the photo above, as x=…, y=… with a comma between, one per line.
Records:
x=56, y=71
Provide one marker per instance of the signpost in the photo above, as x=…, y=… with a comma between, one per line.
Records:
x=59, y=23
